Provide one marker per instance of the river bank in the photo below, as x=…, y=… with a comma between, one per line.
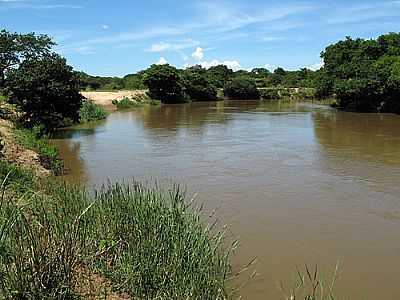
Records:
x=126, y=241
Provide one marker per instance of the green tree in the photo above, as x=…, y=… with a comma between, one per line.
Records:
x=220, y=75
x=165, y=83
x=15, y=48
x=241, y=89
x=46, y=90
x=198, y=85
x=363, y=73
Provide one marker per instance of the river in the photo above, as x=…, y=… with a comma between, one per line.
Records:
x=295, y=183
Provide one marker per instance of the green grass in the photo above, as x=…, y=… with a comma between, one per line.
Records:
x=149, y=242
x=127, y=103
x=48, y=153
x=19, y=179
x=91, y=111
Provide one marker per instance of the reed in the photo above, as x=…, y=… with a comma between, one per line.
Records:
x=150, y=243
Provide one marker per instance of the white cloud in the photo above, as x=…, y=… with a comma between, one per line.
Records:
x=162, y=61
x=270, y=67
x=175, y=46
x=85, y=50
x=105, y=26
x=316, y=66
x=232, y=64
x=159, y=47
x=198, y=54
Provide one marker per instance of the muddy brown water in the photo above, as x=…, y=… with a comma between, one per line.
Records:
x=296, y=183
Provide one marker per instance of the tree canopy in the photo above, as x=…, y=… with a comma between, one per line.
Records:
x=364, y=74
x=165, y=83
x=46, y=90
x=241, y=89
x=15, y=48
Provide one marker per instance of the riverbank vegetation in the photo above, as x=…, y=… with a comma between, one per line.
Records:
x=364, y=74
x=91, y=111
x=146, y=243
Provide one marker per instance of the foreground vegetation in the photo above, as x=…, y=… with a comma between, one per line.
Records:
x=149, y=242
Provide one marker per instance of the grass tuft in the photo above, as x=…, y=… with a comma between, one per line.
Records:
x=91, y=111
x=148, y=242
x=32, y=139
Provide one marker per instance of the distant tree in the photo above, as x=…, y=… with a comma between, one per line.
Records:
x=364, y=74
x=165, y=83
x=241, y=89
x=46, y=90
x=220, y=75
x=280, y=71
x=134, y=82
x=198, y=85
x=15, y=48
x=261, y=72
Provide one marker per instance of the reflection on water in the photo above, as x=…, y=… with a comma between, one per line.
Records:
x=297, y=183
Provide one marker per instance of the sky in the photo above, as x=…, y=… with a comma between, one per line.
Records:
x=115, y=38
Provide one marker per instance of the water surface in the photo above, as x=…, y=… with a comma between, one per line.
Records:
x=297, y=183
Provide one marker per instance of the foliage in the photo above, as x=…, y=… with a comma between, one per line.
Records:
x=129, y=82
x=198, y=85
x=33, y=139
x=46, y=90
x=158, y=246
x=220, y=75
x=15, y=48
x=165, y=83
x=270, y=94
x=364, y=74
x=40, y=240
x=91, y=111
x=149, y=242
x=241, y=89
x=19, y=179
x=126, y=103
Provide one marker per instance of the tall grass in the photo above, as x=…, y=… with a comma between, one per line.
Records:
x=147, y=241
x=34, y=140
x=91, y=111
x=311, y=285
x=155, y=246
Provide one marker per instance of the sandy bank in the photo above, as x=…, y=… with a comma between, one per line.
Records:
x=106, y=98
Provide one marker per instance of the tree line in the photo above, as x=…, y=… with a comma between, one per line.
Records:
x=364, y=75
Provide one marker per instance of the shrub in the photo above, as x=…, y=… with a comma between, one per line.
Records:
x=242, y=89
x=270, y=94
x=46, y=90
x=199, y=87
x=165, y=83
x=91, y=111
x=125, y=103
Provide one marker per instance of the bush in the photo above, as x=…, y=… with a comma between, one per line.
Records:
x=364, y=74
x=165, y=83
x=270, y=94
x=126, y=103
x=241, y=89
x=46, y=90
x=199, y=87
x=91, y=111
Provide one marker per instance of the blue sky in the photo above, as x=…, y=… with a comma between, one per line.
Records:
x=123, y=36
